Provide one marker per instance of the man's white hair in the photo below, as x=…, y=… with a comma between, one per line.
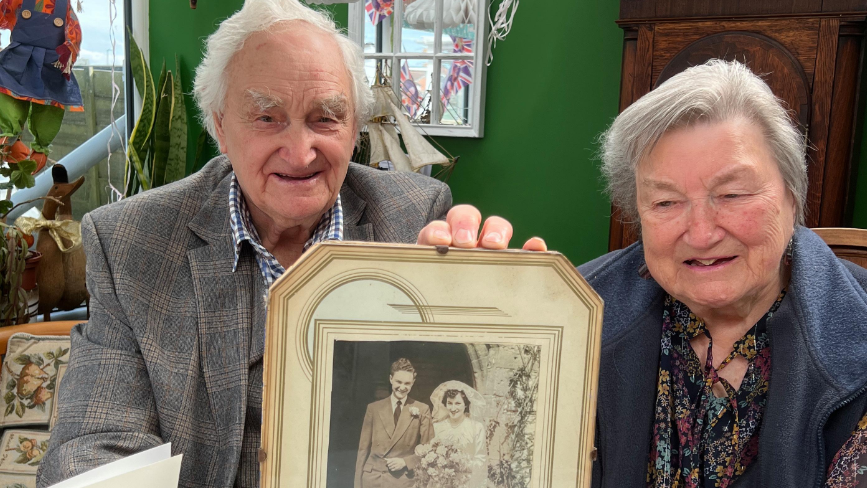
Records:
x=210, y=85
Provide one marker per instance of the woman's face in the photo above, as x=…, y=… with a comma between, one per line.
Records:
x=715, y=216
x=455, y=407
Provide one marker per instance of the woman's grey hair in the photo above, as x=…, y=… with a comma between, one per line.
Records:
x=716, y=91
x=210, y=85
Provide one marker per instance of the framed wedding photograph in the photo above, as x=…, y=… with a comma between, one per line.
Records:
x=409, y=366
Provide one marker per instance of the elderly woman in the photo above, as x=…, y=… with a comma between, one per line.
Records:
x=735, y=343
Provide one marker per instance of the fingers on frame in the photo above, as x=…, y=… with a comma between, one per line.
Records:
x=464, y=221
x=496, y=233
x=436, y=233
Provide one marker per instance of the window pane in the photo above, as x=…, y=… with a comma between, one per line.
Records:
x=378, y=18
x=378, y=71
x=415, y=88
x=456, y=84
x=459, y=26
x=417, y=35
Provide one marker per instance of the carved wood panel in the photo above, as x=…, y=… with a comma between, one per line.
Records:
x=764, y=56
x=800, y=37
x=812, y=63
x=667, y=9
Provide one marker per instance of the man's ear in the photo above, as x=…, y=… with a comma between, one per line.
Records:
x=390, y=377
x=221, y=136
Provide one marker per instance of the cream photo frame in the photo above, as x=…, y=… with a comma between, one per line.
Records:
x=494, y=319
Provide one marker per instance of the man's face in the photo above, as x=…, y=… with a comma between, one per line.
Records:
x=288, y=125
x=401, y=383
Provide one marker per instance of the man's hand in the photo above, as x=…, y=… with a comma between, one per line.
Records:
x=461, y=229
x=395, y=464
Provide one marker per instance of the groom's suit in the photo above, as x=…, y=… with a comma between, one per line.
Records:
x=381, y=439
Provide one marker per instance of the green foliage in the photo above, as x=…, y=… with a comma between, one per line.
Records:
x=157, y=149
x=512, y=468
x=176, y=166
x=13, y=253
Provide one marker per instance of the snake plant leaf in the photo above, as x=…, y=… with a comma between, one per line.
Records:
x=137, y=65
x=162, y=131
x=176, y=166
x=201, y=143
x=138, y=141
x=133, y=185
x=138, y=165
x=162, y=81
x=150, y=161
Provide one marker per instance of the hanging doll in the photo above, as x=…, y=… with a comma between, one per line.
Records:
x=36, y=80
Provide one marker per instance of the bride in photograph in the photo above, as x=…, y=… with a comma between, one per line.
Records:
x=457, y=419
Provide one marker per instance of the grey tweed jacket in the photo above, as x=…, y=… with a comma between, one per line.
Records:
x=164, y=357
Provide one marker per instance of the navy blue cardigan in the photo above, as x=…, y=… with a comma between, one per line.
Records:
x=818, y=387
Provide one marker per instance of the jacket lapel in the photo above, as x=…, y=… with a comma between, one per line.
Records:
x=402, y=423
x=629, y=367
x=386, y=416
x=225, y=314
x=629, y=364
x=353, y=210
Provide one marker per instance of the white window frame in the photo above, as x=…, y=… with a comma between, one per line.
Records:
x=475, y=129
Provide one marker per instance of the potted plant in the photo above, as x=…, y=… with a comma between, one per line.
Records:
x=17, y=261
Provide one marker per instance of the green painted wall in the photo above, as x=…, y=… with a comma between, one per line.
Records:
x=552, y=88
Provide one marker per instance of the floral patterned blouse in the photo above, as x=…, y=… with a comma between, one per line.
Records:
x=705, y=433
x=703, y=439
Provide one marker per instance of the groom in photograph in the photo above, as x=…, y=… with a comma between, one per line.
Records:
x=392, y=428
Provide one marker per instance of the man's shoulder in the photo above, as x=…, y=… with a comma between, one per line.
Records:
x=165, y=206
x=412, y=402
x=373, y=184
x=379, y=403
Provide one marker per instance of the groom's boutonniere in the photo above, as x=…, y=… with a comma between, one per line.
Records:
x=413, y=411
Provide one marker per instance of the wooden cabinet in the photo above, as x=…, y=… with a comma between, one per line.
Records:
x=810, y=53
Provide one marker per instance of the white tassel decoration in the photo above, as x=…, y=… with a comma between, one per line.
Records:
x=501, y=24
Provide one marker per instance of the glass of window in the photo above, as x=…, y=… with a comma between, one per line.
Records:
x=419, y=27
x=456, y=81
x=459, y=26
x=378, y=26
x=415, y=87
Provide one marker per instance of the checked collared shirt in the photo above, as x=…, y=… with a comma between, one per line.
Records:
x=330, y=228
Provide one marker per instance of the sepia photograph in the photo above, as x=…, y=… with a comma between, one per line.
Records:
x=420, y=414
x=376, y=375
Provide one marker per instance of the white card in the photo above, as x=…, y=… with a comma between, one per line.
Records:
x=154, y=468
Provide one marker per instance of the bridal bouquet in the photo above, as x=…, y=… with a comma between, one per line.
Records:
x=442, y=465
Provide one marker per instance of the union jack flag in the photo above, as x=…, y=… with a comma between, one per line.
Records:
x=461, y=73
x=409, y=95
x=378, y=9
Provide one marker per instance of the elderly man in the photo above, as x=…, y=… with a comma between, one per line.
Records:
x=178, y=275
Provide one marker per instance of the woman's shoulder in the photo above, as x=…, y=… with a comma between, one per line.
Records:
x=476, y=425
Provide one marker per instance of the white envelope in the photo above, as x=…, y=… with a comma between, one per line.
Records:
x=154, y=468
